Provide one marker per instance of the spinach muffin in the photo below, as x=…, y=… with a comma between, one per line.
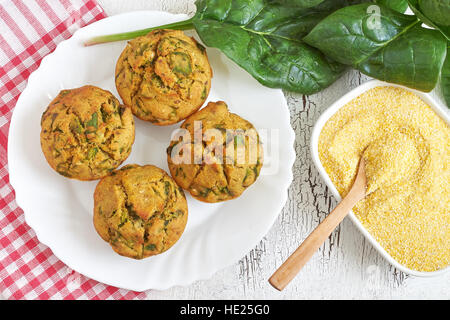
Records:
x=139, y=210
x=224, y=163
x=164, y=76
x=86, y=133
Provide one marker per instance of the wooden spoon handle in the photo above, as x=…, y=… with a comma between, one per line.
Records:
x=289, y=269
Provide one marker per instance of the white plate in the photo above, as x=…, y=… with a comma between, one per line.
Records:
x=436, y=106
x=60, y=210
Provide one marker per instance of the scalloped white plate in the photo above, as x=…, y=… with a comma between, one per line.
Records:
x=60, y=210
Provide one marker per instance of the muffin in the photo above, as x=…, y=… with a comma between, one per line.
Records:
x=227, y=160
x=164, y=76
x=139, y=210
x=86, y=133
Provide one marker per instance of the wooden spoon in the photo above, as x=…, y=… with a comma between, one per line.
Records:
x=289, y=269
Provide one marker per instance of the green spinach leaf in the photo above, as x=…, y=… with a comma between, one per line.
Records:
x=437, y=10
x=391, y=46
x=445, y=77
x=318, y=4
x=432, y=17
x=397, y=5
x=300, y=3
x=265, y=38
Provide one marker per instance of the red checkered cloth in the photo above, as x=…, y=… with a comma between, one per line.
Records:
x=29, y=30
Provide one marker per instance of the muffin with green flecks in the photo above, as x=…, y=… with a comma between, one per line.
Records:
x=217, y=154
x=163, y=76
x=139, y=210
x=86, y=133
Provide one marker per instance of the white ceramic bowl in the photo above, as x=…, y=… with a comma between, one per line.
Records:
x=441, y=110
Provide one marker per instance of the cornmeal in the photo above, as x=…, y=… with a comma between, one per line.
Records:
x=406, y=149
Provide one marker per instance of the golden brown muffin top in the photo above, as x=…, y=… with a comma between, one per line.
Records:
x=164, y=76
x=86, y=133
x=225, y=163
x=139, y=210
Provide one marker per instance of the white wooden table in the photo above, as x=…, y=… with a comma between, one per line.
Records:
x=346, y=267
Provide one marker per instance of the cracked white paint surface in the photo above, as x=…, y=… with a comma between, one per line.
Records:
x=346, y=267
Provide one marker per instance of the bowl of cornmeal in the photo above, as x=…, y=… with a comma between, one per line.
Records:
x=403, y=136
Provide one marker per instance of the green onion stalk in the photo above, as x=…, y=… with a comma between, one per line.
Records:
x=181, y=25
